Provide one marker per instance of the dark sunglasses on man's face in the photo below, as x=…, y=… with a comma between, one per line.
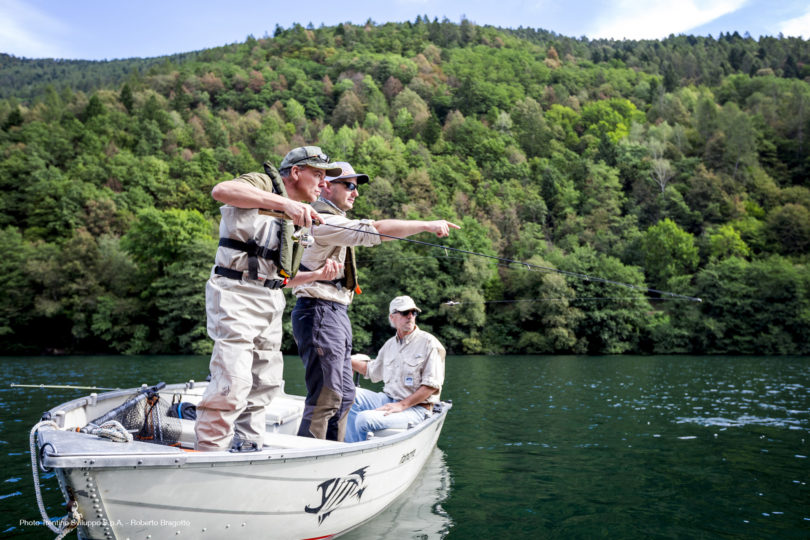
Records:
x=350, y=186
x=409, y=312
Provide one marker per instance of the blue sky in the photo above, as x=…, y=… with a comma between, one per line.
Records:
x=107, y=29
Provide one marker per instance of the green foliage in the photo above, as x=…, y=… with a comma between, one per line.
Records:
x=759, y=307
x=669, y=251
x=158, y=237
x=16, y=305
x=727, y=242
x=684, y=161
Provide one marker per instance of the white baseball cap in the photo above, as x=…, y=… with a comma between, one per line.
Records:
x=402, y=303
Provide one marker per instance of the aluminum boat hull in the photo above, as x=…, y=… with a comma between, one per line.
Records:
x=297, y=488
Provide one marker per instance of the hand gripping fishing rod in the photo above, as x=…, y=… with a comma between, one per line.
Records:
x=578, y=275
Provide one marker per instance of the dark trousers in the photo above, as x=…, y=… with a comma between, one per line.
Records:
x=323, y=334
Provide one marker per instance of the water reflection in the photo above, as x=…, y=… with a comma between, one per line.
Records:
x=418, y=512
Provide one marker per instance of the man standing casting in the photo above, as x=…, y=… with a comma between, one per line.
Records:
x=412, y=365
x=244, y=303
x=320, y=318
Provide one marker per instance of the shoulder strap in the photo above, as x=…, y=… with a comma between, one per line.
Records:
x=350, y=268
x=289, y=251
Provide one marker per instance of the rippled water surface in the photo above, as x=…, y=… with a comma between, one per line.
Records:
x=537, y=447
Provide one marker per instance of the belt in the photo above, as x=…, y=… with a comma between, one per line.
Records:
x=308, y=301
x=236, y=274
x=428, y=406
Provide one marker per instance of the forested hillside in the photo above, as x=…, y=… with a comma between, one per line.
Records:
x=680, y=165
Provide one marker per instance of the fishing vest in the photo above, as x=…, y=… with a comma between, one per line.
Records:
x=349, y=279
x=262, y=246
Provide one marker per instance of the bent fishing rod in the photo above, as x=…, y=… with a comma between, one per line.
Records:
x=578, y=275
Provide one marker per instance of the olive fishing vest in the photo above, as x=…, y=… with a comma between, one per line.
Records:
x=349, y=279
x=257, y=246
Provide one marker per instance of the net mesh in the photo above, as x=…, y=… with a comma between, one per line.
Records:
x=147, y=418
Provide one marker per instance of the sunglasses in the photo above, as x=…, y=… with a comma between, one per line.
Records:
x=350, y=186
x=321, y=157
x=409, y=312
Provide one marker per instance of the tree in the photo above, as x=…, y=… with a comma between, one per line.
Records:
x=530, y=127
x=669, y=251
x=740, y=137
x=158, y=237
x=751, y=308
x=726, y=242
x=542, y=318
x=180, y=300
x=127, y=98
x=788, y=226
x=615, y=319
x=94, y=108
x=661, y=171
x=348, y=111
x=16, y=304
x=416, y=107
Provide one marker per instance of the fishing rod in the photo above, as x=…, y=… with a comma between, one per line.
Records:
x=451, y=303
x=585, y=277
x=60, y=387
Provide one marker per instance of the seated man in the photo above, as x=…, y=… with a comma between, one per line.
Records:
x=412, y=366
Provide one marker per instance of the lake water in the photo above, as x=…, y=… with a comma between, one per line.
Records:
x=535, y=447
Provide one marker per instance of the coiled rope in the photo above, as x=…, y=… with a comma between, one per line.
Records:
x=73, y=517
x=112, y=429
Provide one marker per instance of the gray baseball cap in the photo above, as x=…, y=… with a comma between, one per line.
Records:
x=312, y=156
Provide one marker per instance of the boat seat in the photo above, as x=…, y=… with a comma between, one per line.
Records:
x=283, y=440
x=283, y=416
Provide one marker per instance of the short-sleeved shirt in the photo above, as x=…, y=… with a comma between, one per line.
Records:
x=257, y=180
x=405, y=365
x=330, y=243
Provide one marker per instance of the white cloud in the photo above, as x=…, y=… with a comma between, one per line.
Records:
x=798, y=27
x=25, y=31
x=655, y=19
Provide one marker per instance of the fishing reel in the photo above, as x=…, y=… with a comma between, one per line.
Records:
x=305, y=239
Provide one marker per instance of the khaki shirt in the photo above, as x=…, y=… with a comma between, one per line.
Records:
x=330, y=242
x=405, y=365
x=257, y=180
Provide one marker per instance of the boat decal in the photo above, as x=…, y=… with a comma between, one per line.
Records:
x=407, y=457
x=336, y=490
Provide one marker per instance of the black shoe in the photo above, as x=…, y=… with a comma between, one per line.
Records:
x=244, y=446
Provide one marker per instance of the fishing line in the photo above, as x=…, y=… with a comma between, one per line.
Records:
x=578, y=275
x=452, y=303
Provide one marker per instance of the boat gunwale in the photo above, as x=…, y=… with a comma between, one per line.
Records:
x=168, y=456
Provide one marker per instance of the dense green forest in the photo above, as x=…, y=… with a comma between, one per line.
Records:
x=680, y=165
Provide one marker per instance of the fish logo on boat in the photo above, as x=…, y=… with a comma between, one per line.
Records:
x=337, y=490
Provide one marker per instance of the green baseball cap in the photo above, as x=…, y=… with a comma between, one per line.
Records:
x=312, y=156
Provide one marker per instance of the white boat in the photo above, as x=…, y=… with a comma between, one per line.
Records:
x=295, y=487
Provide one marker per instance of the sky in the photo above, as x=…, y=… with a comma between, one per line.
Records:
x=109, y=29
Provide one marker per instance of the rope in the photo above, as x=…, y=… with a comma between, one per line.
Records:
x=112, y=430
x=73, y=517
